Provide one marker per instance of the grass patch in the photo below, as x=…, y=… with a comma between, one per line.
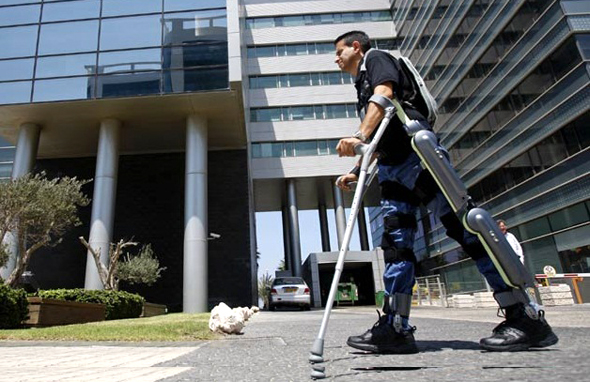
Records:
x=169, y=327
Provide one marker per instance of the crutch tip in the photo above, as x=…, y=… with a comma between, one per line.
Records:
x=314, y=358
x=317, y=374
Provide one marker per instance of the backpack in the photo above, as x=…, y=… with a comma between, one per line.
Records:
x=421, y=98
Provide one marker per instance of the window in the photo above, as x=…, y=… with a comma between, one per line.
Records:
x=69, y=65
x=71, y=37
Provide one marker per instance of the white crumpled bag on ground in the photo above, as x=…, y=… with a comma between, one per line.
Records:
x=227, y=320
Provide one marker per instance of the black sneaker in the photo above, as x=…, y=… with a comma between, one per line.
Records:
x=383, y=339
x=520, y=332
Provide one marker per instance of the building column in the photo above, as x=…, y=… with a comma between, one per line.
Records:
x=286, y=238
x=27, y=145
x=103, y=199
x=362, y=222
x=195, y=278
x=294, y=228
x=324, y=231
x=340, y=215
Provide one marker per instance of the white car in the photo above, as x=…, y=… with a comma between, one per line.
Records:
x=289, y=291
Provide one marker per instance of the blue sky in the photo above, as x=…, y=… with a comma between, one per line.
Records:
x=269, y=234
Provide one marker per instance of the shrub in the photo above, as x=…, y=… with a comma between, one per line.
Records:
x=14, y=307
x=119, y=304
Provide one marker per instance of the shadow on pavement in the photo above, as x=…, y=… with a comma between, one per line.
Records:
x=430, y=346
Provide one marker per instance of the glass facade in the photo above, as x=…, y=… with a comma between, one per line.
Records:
x=302, y=112
x=317, y=19
x=86, y=49
x=512, y=81
x=294, y=148
x=300, y=79
x=310, y=48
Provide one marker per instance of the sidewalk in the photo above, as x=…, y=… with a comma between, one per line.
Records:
x=275, y=347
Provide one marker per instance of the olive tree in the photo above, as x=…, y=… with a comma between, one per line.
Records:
x=141, y=268
x=37, y=212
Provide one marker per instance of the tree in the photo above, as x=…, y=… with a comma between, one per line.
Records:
x=37, y=211
x=143, y=268
x=264, y=284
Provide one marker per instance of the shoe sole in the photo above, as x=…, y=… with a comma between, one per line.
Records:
x=383, y=349
x=551, y=339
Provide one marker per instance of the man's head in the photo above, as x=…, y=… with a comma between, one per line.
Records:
x=350, y=49
x=502, y=226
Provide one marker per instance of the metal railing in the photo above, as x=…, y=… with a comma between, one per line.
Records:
x=430, y=290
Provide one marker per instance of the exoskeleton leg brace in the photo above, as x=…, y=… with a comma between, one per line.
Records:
x=476, y=220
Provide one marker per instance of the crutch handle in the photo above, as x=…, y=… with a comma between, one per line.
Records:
x=361, y=148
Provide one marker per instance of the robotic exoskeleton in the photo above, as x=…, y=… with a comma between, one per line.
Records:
x=476, y=220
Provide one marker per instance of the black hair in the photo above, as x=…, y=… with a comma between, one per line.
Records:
x=350, y=37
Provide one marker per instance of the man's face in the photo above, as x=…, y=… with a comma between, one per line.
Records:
x=502, y=227
x=347, y=57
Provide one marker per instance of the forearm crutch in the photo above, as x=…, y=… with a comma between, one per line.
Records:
x=366, y=150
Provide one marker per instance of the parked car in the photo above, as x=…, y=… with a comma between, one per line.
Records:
x=289, y=291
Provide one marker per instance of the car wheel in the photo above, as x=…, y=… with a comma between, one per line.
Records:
x=271, y=308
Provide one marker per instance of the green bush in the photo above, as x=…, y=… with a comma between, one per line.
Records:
x=14, y=307
x=119, y=304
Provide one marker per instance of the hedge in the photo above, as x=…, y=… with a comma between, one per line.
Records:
x=119, y=304
x=14, y=307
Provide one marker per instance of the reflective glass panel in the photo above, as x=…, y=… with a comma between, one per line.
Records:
x=299, y=79
x=15, y=92
x=129, y=60
x=182, y=5
x=11, y=2
x=6, y=153
x=195, y=55
x=177, y=81
x=266, y=51
x=267, y=82
x=336, y=111
x=18, y=42
x=306, y=148
x=16, y=69
x=61, y=66
x=130, y=7
x=301, y=112
x=128, y=84
x=190, y=27
x=26, y=14
x=77, y=36
x=5, y=170
x=130, y=32
x=71, y=10
x=63, y=89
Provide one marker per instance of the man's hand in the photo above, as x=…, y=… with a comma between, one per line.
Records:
x=346, y=147
x=344, y=181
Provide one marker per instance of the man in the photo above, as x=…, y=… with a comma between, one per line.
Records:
x=404, y=185
x=511, y=239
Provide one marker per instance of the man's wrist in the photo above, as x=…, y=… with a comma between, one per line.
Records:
x=356, y=170
x=360, y=136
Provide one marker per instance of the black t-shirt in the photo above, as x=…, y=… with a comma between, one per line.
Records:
x=395, y=144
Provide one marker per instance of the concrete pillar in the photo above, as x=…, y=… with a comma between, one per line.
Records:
x=194, y=287
x=286, y=238
x=26, y=149
x=340, y=215
x=103, y=199
x=362, y=222
x=27, y=145
x=294, y=228
x=324, y=231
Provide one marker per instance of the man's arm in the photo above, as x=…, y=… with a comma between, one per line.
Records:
x=371, y=121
